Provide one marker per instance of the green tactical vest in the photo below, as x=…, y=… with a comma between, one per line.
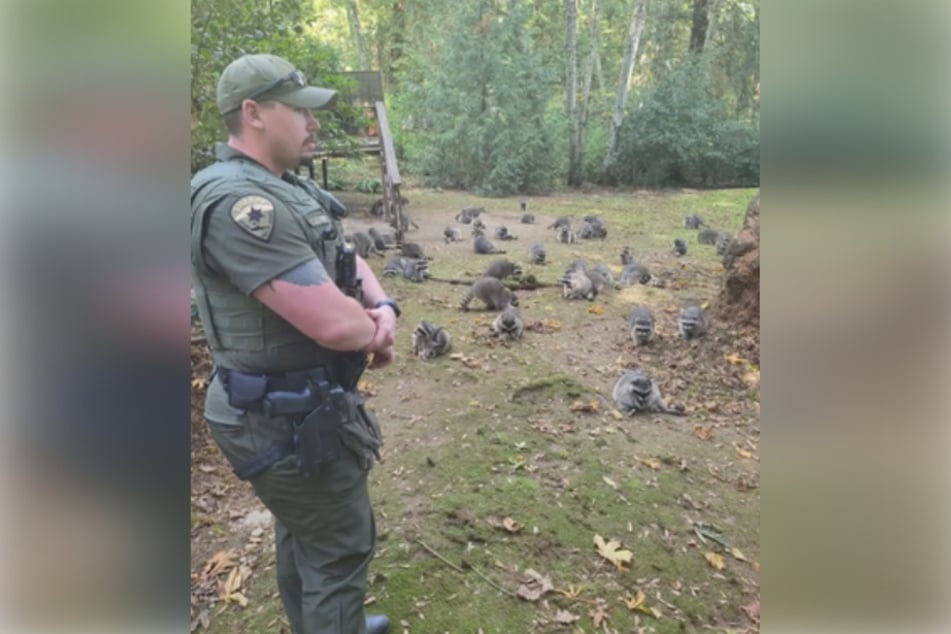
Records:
x=243, y=333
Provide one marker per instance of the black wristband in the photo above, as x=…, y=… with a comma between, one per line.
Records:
x=391, y=303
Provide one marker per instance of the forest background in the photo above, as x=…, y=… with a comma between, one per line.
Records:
x=517, y=96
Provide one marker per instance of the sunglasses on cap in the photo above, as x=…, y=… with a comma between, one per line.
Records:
x=295, y=77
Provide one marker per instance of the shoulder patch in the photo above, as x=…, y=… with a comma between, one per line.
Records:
x=254, y=214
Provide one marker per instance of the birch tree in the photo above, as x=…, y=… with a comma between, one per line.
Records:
x=356, y=31
x=571, y=92
x=624, y=80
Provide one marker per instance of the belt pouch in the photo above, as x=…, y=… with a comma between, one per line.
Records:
x=317, y=438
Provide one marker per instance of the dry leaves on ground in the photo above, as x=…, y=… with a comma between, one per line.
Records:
x=612, y=551
x=534, y=586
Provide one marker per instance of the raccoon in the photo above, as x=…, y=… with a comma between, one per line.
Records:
x=575, y=283
x=379, y=243
x=430, y=340
x=500, y=269
x=413, y=270
x=634, y=273
x=634, y=392
x=363, y=245
x=502, y=233
x=452, y=234
x=641, y=321
x=627, y=256
x=600, y=276
x=491, y=292
x=376, y=209
x=468, y=214
x=566, y=235
x=527, y=219
x=523, y=205
x=656, y=282
x=536, y=254
x=680, y=247
x=412, y=250
x=478, y=225
x=693, y=221
x=564, y=221
x=723, y=244
x=406, y=221
x=593, y=227
x=508, y=324
x=693, y=322
x=708, y=236
x=483, y=246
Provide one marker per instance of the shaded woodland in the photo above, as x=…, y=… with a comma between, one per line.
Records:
x=517, y=96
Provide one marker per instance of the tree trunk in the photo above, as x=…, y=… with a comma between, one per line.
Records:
x=588, y=75
x=624, y=80
x=357, y=33
x=571, y=93
x=739, y=292
x=698, y=29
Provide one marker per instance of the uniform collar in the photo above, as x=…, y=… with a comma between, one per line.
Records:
x=224, y=152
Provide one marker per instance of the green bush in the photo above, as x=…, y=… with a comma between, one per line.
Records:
x=683, y=135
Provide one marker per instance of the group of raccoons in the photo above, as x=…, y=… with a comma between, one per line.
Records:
x=633, y=391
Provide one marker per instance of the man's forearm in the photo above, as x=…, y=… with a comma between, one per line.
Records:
x=372, y=291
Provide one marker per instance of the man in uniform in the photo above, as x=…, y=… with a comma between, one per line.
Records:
x=292, y=317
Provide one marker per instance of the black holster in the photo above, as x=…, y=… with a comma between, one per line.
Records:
x=324, y=417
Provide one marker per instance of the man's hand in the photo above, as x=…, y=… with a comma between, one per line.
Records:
x=382, y=358
x=385, y=335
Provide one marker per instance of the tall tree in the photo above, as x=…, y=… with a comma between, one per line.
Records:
x=356, y=32
x=638, y=15
x=571, y=93
x=699, y=25
x=592, y=61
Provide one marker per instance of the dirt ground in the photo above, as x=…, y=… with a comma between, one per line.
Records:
x=508, y=457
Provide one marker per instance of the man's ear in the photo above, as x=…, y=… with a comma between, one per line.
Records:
x=251, y=113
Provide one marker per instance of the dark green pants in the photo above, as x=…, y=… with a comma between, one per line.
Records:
x=324, y=529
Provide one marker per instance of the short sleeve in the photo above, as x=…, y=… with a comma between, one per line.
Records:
x=253, y=238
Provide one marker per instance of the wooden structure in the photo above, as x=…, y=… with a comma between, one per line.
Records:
x=376, y=140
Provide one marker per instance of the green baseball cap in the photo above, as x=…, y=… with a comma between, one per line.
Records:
x=268, y=77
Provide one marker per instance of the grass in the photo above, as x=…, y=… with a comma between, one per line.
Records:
x=470, y=448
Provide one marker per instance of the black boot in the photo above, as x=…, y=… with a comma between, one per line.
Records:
x=377, y=624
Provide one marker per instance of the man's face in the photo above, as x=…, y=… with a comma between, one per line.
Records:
x=291, y=133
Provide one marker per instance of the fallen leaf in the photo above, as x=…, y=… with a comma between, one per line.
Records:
x=632, y=603
x=738, y=554
x=651, y=463
x=366, y=388
x=220, y=562
x=233, y=582
x=534, y=586
x=202, y=620
x=471, y=362
x=703, y=433
x=611, y=550
x=585, y=406
x=735, y=359
x=573, y=592
x=752, y=610
x=599, y=614
x=199, y=384
x=596, y=309
x=611, y=483
x=743, y=453
x=715, y=560
x=565, y=617
x=751, y=378
x=511, y=525
x=616, y=415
